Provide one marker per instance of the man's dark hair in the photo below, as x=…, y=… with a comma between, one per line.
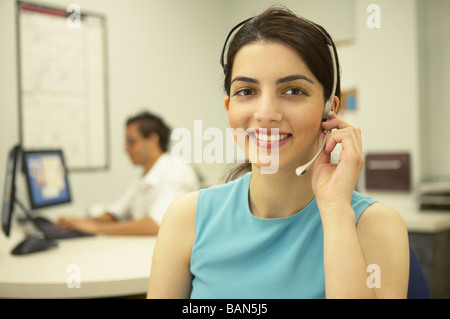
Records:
x=149, y=123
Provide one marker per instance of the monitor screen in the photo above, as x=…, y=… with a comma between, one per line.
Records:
x=10, y=188
x=46, y=177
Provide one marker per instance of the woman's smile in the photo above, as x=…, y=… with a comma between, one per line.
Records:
x=268, y=138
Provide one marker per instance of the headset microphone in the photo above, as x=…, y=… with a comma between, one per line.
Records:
x=302, y=169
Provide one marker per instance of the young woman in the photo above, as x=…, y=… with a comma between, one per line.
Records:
x=276, y=234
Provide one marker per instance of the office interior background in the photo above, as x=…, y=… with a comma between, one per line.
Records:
x=164, y=56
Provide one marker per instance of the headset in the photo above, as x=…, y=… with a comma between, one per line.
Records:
x=327, y=112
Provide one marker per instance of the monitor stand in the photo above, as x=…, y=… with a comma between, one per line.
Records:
x=32, y=242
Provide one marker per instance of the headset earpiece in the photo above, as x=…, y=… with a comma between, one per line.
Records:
x=327, y=116
x=327, y=110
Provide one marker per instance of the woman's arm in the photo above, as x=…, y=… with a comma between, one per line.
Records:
x=379, y=239
x=370, y=260
x=170, y=273
x=383, y=236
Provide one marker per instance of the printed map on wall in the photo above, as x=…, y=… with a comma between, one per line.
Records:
x=63, y=101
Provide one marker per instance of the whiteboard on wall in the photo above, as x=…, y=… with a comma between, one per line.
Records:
x=62, y=83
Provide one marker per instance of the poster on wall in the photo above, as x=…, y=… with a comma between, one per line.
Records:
x=63, y=83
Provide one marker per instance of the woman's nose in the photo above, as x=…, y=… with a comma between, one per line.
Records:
x=268, y=111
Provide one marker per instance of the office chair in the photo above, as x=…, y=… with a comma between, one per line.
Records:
x=418, y=286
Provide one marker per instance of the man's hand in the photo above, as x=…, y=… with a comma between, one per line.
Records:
x=73, y=223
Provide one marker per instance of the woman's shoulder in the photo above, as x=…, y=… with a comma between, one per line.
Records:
x=380, y=220
x=382, y=213
x=180, y=215
x=183, y=206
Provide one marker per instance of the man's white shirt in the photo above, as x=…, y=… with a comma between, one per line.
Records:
x=152, y=194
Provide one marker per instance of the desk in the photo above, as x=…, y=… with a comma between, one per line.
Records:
x=108, y=266
x=426, y=221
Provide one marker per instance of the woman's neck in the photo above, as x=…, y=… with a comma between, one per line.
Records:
x=279, y=195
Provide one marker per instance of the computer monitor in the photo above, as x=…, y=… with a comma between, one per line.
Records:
x=46, y=177
x=10, y=189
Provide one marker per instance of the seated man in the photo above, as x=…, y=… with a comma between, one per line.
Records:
x=141, y=209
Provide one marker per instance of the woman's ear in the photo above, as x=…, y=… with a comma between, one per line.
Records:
x=226, y=102
x=336, y=104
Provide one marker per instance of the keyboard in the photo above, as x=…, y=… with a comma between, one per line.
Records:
x=51, y=232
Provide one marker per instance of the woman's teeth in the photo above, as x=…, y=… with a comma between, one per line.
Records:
x=271, y=137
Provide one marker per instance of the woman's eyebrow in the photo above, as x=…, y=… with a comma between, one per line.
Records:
x=294, y=77
x=244, y=79
x=288, y=78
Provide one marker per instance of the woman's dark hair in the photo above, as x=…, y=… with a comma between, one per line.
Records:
x=278, y=24
x=149, y=123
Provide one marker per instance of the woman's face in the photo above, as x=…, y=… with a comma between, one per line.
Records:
x=272, y=88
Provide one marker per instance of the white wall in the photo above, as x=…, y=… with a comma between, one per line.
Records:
x=387, y=76
x=434, y=54
x=164, y=54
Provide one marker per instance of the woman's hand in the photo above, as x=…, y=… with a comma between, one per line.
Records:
x=333, y=184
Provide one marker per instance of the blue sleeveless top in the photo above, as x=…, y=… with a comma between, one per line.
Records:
x=237, y=255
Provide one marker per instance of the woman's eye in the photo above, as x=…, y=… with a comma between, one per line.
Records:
x=243, y=92
x=294, y=91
